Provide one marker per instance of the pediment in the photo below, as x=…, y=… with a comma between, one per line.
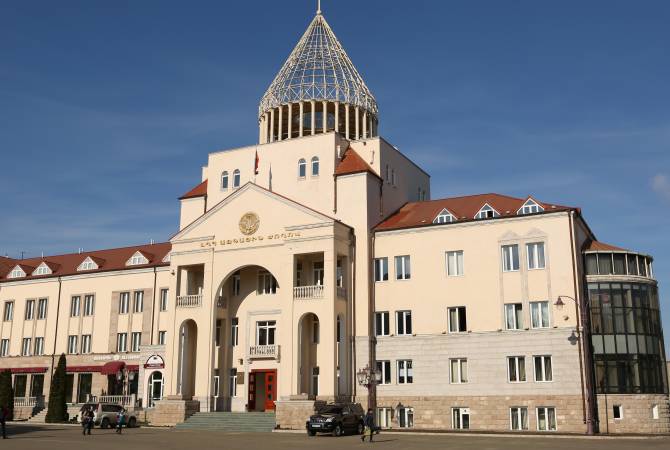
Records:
x=250, y=211
x=508, y=236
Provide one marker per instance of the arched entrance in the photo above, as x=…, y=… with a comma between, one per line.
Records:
x=309, y=329
x=155, y=388
x=188, y=338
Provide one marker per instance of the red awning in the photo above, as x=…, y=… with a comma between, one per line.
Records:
x=133, y=368
x=112, y=367
x=78, y=369
x=26, y=369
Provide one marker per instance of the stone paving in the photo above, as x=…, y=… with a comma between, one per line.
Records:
x=30, y=437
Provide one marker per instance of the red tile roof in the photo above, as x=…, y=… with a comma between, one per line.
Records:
x=601, y=246
x=353, y=163
x=417, y=214
x=107, y=260
x=198, y=191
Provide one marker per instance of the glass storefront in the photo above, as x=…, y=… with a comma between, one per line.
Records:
x=627, y=338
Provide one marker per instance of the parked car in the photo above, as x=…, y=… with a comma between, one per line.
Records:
x=337, y=419
x=104, y=415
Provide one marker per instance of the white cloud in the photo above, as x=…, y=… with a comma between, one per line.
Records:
x=661, y=185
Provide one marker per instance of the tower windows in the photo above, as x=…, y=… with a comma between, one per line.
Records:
x=224, y=180
x=315, y=166
x=302, y=168
x=236, y=178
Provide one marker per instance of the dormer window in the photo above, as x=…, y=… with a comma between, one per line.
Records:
x=87, y=264
x=530, y=207
x=42, y=269
x=17, y=272
x=487, y=212
x=137, y=259
x=444, y=217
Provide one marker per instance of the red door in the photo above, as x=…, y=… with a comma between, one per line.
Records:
x=251, y=404
x=270, y=390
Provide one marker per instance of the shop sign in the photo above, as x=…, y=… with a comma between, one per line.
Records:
x=154, y=362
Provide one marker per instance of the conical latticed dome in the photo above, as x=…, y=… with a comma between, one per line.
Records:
x=317, y=90
x=318, y=69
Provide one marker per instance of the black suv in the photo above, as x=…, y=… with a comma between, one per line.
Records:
x=337, y=418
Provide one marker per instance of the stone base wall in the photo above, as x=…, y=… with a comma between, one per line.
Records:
x=24, y=412
x=637, y=413
x=488, y=413
x=293, y=413
x=168, y=413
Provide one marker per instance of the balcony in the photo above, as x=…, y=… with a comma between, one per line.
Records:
x=264, y=351
x=308, y=292
x=189, y=301
x=29, y=401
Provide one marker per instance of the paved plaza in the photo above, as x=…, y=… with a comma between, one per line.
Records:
x=26, y=437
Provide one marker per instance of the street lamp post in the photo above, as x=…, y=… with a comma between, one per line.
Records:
x=369, y=378
x=583, y=337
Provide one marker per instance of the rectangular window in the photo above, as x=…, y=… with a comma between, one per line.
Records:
x=455, y=263
x=72, y=345
x=617, y=412
x=138, y=301
x=543, y=370
x=8, y=313
x=161, y=337
x=516, y=369
x=121, y=342
x=39, y=346
x=402, y=268
x=460, y=418
x=514, y=316
x=234, y=325
x=124, y=301
x=406, y=417
x=539, y=314
x=164, y=300
x=86, y=343
x=457, y=320
x=381, y=269
x=236, y=284
x=510, y=257
x=75, y=306
x=25, y=347
x=384, y=417
x=317, y=273
x=30, y=309
x=315, y=381
x=535, y=253
x=403, y=321
x=266, y=283
x=382, y=323
x=518, y=418
x=384, y=369
x=655, y=414
x=89, y=305
x=315, y=332
x=546, y=419
x=4, y=347
x=217, y=333
x=232, y=383
x=405, y=374
x=42, y=309
x=135, y=339
x=265, y=332
x=458, y=371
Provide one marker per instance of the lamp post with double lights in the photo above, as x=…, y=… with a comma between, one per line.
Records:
x=369, y=378
x=584, y=341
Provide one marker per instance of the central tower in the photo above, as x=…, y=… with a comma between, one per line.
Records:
x=317, y=90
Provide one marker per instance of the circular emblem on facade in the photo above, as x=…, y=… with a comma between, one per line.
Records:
x=249, y=223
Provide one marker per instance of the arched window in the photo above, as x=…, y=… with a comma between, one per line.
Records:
x=315, y=166
x=302, y=168
x=236, y=178
x=224, y=180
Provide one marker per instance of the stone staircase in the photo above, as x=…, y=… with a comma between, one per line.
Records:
x=40, y=417
x=243, y=422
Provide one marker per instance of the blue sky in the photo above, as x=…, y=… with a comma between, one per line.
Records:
x=108, y=109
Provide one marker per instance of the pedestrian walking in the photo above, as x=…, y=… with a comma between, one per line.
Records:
x=91, y=420
x=369, y=423
x=120, y=420
x=84, y=420
x=4, y=417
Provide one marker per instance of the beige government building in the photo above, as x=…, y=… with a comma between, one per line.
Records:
x=316, y=260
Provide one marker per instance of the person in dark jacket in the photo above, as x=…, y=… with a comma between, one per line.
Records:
x=4, y=417
x=369, y=422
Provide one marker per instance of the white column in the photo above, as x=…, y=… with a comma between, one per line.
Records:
x=337, y=117
x=324, y=116
x=358, y=126
x=290, y=119
x=272, y=125
x=365, y=124
x=266, y=128
x=302, y=112
x=261, y=124
x=346, y=121
x=281, y=123
x=313, y=106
